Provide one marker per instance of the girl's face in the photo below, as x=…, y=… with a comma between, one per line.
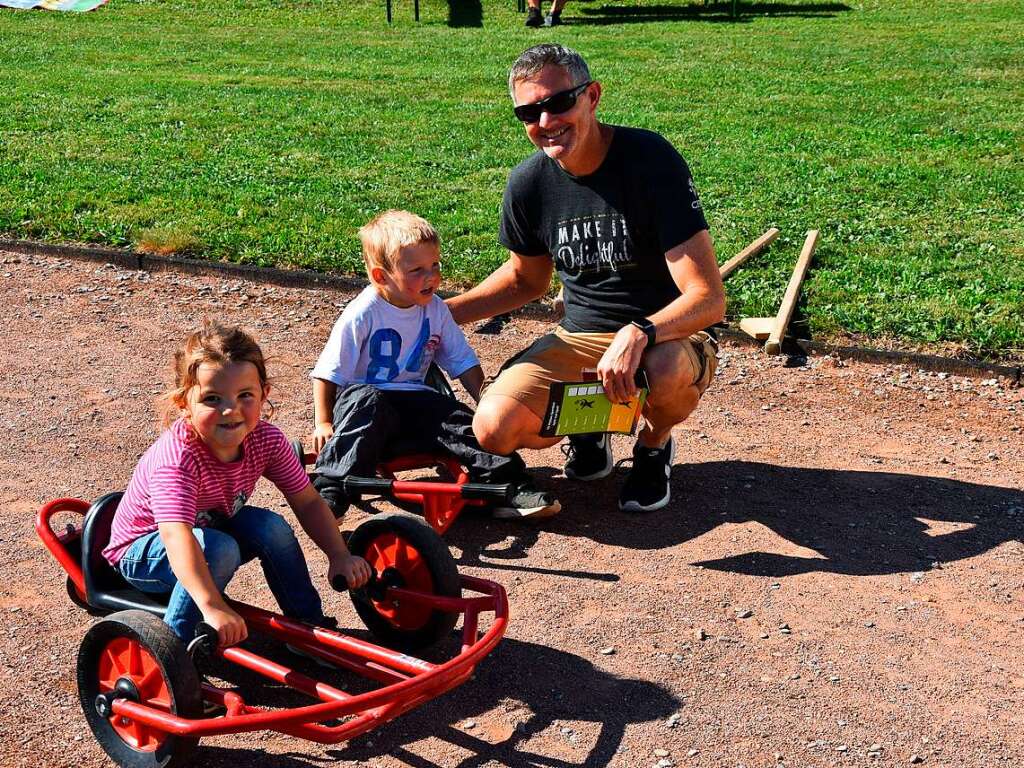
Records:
x=225, y=405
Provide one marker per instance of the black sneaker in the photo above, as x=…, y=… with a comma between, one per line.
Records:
x=588, y=457
x=528, y=501
x=553, y=19
x=533, y=17
x=336, y=499
x=647, y=485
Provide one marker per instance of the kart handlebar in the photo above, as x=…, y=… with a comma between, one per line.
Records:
x=487, y=491
x=374, y=484
x=340, y=583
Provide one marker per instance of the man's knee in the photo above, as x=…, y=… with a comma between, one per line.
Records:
x=675, y=373
x=498, y=424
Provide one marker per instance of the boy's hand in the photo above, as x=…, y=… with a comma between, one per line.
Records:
x=230, y=626
x=355, y=570
x=322, y=433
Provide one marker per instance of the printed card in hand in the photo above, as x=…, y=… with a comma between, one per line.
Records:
x=581, y=407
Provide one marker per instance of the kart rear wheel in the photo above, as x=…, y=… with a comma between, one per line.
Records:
x=405, y=551
x=139, y=655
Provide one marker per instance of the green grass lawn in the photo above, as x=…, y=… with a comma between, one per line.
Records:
x=268, y=132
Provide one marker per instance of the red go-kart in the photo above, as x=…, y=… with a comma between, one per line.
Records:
x=148, y=706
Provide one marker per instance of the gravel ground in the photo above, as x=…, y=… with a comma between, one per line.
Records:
x=837, y=581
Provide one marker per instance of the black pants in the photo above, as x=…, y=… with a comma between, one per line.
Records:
x=373, y=425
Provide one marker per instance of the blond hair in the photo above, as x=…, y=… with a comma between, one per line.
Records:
x=213, y=343
x=387, y=233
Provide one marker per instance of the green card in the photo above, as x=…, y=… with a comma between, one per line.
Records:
x=581, y=407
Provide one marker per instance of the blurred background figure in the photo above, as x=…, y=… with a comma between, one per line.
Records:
x=553, y=19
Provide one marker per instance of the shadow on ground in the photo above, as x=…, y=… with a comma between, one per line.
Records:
x=537, y=686
x=859, y=523
x=712, y=12
x=534, y=685
x=465, y=13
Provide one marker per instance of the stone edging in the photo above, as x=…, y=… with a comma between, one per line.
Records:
x=305, y=278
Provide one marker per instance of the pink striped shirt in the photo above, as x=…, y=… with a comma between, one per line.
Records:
x=179, y=480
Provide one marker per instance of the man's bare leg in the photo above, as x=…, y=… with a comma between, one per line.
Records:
x=502, y=424
x=673, y=396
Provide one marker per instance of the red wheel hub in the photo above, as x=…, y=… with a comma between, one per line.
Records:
x=125, y=657
x=391, y=551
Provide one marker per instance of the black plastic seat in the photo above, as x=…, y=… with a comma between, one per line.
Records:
x=435, y=379
x=105, y=589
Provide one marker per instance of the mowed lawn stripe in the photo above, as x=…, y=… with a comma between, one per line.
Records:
x=269, y=132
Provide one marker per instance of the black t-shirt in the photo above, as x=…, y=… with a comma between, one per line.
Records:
x=608, y=232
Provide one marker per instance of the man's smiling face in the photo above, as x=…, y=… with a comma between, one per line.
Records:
x=559, y=136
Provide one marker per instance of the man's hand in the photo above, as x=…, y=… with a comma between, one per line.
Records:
x=230, y=626
x=321, y=434
x=355, y=570
x=619, y=363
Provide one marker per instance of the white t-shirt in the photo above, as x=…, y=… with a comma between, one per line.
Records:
x=374, y=342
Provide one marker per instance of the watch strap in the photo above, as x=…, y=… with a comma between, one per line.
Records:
x=648, y=328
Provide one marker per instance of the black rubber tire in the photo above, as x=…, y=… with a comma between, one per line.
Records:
x=78, y=600
x=299, y=451
x=436, y=561
x=178, y=672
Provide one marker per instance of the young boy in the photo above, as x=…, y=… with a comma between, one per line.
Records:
x=368, y=384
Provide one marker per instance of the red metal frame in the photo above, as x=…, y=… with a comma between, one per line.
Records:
x=407, y=681
x=441, y=502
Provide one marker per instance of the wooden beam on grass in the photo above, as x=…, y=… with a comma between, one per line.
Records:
x=774, y=344
x=758, y=327
x=754, y=248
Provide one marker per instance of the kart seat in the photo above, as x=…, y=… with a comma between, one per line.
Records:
x=104, y=587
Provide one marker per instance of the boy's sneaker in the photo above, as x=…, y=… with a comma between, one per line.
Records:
x=528, y=501
x=647, y=484
x=336, y=499
x=588, y=457
x=533, y=17
x=553, y=19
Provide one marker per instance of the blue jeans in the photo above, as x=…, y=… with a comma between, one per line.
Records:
x=253, y=532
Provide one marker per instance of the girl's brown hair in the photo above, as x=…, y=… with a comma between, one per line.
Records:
x=214, y=343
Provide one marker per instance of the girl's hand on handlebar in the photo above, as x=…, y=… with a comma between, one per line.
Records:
x=355, y=570
x=230, y=627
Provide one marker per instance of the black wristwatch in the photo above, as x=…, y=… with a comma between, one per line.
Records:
x=648, y=328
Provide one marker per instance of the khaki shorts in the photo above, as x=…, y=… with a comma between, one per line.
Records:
x=561, y=356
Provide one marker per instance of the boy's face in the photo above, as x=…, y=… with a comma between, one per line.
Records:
x=413, y=279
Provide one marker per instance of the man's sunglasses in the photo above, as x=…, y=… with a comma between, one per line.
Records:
x=561, y=102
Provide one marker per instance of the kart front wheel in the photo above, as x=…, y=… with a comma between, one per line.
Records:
x=405, y=552
x=134, y=655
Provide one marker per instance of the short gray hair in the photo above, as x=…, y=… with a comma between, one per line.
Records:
x=533, y=60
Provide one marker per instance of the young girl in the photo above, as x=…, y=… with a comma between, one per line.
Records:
x=183, y=525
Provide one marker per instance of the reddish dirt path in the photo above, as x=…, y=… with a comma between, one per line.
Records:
x=840, y=568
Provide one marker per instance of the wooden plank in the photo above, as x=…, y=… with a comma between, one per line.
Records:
x=758, y=327
x=754, y=248
x=774, y=344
